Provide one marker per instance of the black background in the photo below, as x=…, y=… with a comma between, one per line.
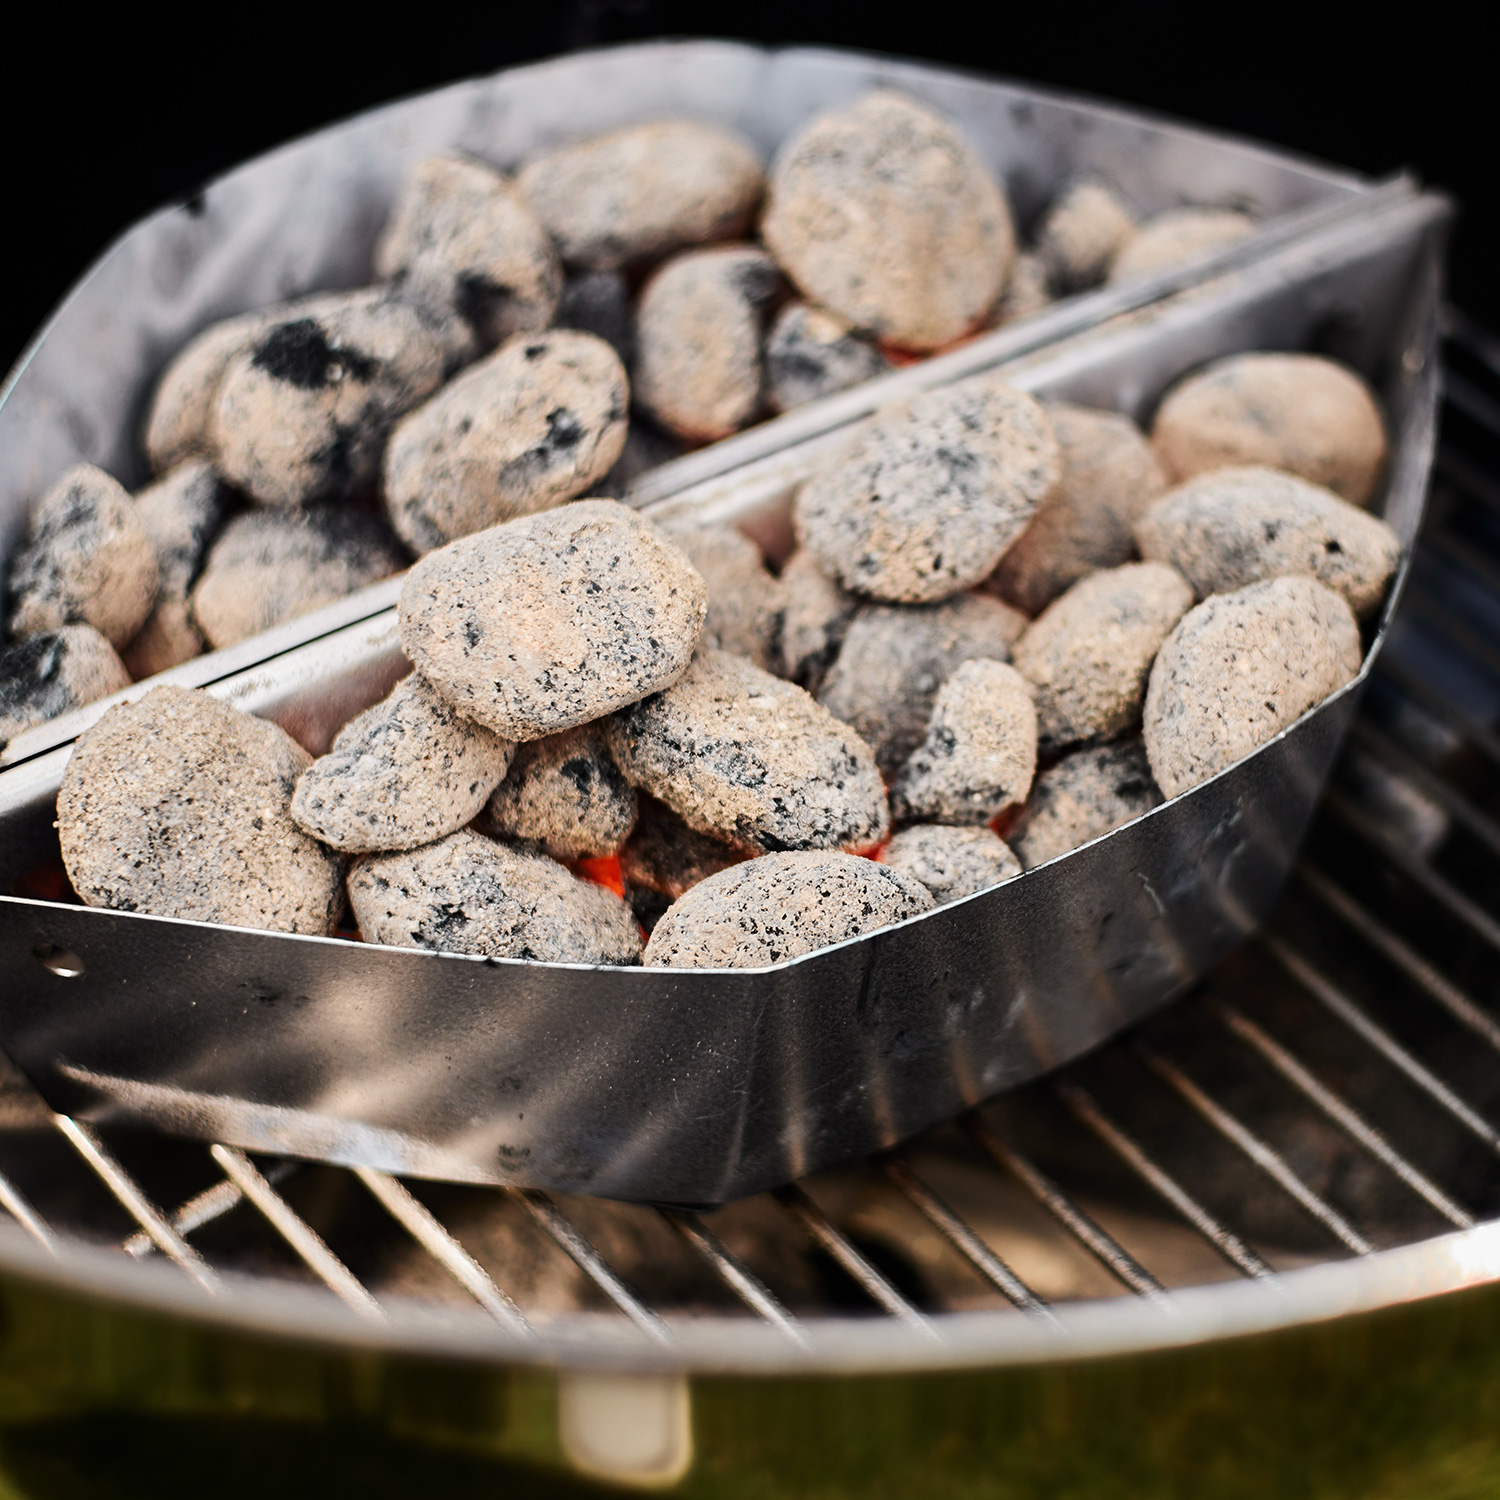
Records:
x=105, y=119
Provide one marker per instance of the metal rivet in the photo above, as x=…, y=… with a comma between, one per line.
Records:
x=61, y=961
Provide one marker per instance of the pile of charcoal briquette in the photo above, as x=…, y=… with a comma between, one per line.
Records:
x=529, y=339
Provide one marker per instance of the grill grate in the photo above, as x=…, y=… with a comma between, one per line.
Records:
x=1326, y=1093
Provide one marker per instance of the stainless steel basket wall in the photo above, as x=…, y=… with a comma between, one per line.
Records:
x=701, y=1087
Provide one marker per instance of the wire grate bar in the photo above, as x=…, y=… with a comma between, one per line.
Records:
x=1401, y=760
x=1270, y=1161
x=590, y=1262
x=1335, y=1000
x=1459, y=328
x=13, y=1200
x=1470, y=400
x=1437, y=986
x=964, y=1240
x=424, y=1227
x=135, y=1202
x=1445, y=542
x=1424, y=606
x=1343, y=1114
x=1084, y=1107
x=1473, y=915
x=1102, y=1245
x=733, y=1272
x=825, y=1235
x=1468, y=477
x=1452, y=714
x=300, y=1235
x=203, y=1208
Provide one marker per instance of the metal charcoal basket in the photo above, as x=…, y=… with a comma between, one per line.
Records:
x=701, y=1087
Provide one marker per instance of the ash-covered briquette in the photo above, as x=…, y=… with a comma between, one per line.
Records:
x=1085, y=229
x=177, y=421
x=744, y=756
x=894, y=659
x=928, y=496
x=881, y=212
x=461, y=235
x=1081, y=798
x=1087, y=655
x=1299, y=412
x=267, y=566
x=180, y=806
x=811, y=354
x=403, y=773
x=566, y=796
x=1175, y=237
x=54, y=672
x=744, y=600
x=1109, y=476
x=303, y=413
x=698, y=340
x=180, y=513
x=950, y=862
x=815, y=613
x=598, y=302
x=468, y=894
x=642, y=192
x=1025, y=293
x=534, y=424
x=553, y=619
x=1238, y=669
x=664, y=857
x=86, y=560
x=1232, y=527
x=980, y=751
x=781, y=906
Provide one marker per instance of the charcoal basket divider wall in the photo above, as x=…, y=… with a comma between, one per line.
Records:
x=691, y=1087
